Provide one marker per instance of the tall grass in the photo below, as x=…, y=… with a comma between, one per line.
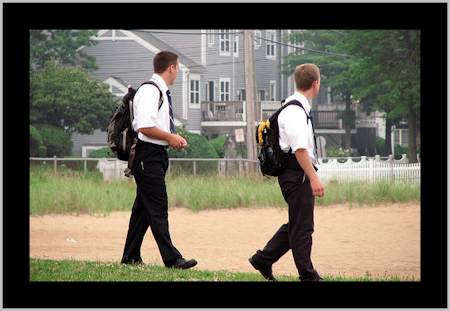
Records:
x=369, y=193
x=200, y=193
x=75, y=192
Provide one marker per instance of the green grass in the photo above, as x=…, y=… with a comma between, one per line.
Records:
x=364, y=193
x=45, y=270
x=75, y=192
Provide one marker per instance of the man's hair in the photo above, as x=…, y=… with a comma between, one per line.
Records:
x=164, y=60
x=305, y=75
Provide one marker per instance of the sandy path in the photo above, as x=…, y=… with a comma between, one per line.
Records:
x=378, y=240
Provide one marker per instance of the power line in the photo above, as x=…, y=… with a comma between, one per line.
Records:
x=240, y=32
x=187, y=33
x=335, y=31
x=306, y=49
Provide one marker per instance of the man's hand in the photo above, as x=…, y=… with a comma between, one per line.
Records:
x=317, y=187
x=177, y=142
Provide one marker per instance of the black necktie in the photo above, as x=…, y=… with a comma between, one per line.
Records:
x=314, y=132
x=172, y=125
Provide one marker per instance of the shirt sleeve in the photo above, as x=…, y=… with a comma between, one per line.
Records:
x=296, y=128
x=145, y=107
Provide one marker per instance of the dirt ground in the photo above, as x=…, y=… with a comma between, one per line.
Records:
x=351, y=242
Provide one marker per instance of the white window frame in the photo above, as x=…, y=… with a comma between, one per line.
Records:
x=224, y=38
x=236, y=45
x=194, y=81
x=273, y=90
x=84, y=150
x=261, y=95
x=271, y=49
x=257, y=33
x=210, y=37
x=224, y=95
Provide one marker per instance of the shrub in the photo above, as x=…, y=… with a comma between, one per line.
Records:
x=198, y=146
x=57, y=141
x=217, y=143
x=337, y=152
x=102, y=153
x=36, y=147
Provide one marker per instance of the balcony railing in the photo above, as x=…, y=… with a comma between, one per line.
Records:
x=235, y=111
x=326, y=120
x=223, y=111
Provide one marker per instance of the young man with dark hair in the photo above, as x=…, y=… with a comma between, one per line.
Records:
x=298, y=186
x=156, y=132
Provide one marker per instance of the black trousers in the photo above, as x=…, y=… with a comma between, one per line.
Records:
x=297, y=233
x=150, y=206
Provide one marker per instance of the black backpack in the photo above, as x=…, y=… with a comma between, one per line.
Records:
x=121, y=137
x=272, y=159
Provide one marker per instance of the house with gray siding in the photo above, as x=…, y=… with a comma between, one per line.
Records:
x=209, y=93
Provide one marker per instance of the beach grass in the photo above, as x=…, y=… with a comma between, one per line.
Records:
x=73, y=192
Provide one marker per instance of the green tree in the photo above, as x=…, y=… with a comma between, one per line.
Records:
x=381, y=69
x=325, y=51
x=69, y=98
x=63, y=45
x=388, y=72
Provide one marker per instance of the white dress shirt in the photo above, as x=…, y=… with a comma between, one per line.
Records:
x=294, y=130
x=145, y=109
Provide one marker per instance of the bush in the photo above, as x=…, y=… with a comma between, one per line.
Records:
x=217, y=143
x=198, y=146
x=380, y=145
x=57, y=141
x=337, y=152
x=102, y=153
x=36, y=147
x=399, y=150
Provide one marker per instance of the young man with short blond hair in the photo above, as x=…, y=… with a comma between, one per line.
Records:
x=298, y=186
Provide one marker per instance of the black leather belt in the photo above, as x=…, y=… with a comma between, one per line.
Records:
x=156, y=145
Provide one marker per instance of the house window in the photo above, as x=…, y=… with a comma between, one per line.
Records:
x=261, y=95
x=257, y=38
x=224, y=89
x=236, y=45
x=210, y=37
x=224, y=41
x=195, y=92
x=270, y=47
x=273, y=90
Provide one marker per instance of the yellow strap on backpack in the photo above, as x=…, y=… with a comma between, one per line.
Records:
x=261, y=127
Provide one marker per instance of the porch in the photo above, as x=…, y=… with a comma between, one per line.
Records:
x=217, y=113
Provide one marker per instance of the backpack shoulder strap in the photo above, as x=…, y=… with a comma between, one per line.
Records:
x=295, y=102
x=161, y=98
x=292, y=102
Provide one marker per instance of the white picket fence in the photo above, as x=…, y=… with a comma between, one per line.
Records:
x=340, y=169
x=368, y=169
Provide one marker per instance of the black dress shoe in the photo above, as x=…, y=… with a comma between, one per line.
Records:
x=265, y=272
x=181, y=263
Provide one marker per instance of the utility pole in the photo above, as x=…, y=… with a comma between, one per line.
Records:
x=249, y=94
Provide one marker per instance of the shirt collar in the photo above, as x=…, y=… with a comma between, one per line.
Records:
x=161, y=83
x=301, y=98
